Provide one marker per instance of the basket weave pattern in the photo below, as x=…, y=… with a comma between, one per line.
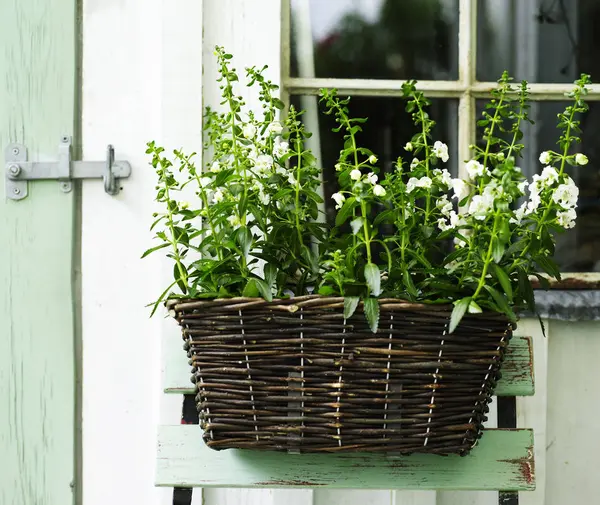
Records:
x=294, y=375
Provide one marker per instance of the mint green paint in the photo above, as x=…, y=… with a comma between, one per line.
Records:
x=503, y=459
x=37, y=372
x=517, y=369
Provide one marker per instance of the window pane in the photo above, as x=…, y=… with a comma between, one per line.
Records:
x=375, y=39
x=538, y=40
x=578, y=249
x=386, y=132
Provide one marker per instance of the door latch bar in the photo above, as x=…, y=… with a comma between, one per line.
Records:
x=64, y=170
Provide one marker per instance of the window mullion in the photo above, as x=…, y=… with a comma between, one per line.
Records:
x=467, y=57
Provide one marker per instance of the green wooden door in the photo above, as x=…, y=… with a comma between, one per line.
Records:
x=38, y=75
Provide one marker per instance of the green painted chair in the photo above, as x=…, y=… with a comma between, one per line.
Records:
x=502, y=460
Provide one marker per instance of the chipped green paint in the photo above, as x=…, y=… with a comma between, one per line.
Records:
x=517, y=369
x=37, y=376
x=503, y=460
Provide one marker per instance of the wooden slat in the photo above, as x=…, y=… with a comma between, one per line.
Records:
x=517, y=370
x=38, y=270
x=502, y=460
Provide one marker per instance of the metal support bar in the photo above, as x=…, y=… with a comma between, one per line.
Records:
x=64, y=170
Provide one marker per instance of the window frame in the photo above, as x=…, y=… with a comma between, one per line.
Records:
x=467, y=89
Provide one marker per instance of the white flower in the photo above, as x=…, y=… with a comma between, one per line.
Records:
x=408, y=146
x=545, y=158
x=581, y=159
x=534, y=203
x=372, y=159
x=440, y=150
x=549, y=176
x=215, y=167
x=274, y=128
x=414, y=163
x=461, y=189
x=476, y=169
x=378, y=190
x=481, y=206
x=444, y=205
x=292, y=179
x=413, y=182
x=523, y=186
x=218, y=196
x=566, y=218
x=356, y=225
x=264, y=163
x=338, y=167
x=205, y=181
x=519, y=214
x=281, y=149
x=249, y=130
x=264, y=198
x=443, y=176
x=372, y=178
x=339, y=200
x=566, y=194
x=280, y=170
x=355, y=175
x=455, y=220
x=234, y=220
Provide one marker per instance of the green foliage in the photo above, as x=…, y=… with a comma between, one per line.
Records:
x=254, y=228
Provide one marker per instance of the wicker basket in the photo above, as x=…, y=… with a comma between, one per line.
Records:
x=294, y=375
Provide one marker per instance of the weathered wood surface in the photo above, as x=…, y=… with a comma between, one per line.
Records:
x=502, y=460
x=37, y=354
x=517, y=369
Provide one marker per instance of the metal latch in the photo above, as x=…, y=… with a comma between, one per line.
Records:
x=19, y=170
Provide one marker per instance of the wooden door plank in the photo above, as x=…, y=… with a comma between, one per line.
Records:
x=502, y=460
x=517, y=369
x=37, y=336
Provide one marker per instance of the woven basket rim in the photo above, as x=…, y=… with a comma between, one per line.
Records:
x=293, y=304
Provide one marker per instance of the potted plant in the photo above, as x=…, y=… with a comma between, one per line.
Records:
x=384, y=332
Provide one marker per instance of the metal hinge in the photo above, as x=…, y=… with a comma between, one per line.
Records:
x=19, y=170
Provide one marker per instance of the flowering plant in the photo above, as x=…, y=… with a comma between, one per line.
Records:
x=417, y=234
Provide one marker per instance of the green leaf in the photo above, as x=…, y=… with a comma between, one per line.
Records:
x=501, y=302
x=548, y=266
x=161, y=298
x=152, y=249
x=474, y=308
x=270, y=274
x=459, y=310
x=409, y=284
x=346, y=211
x=350, y=304
x=326, y=290
x=373, y=278
x=244, y=239
x=265, y=290
x=356, y=225
x=497, y=250
x=371, y=306
x=504, y=280
x=251, y=289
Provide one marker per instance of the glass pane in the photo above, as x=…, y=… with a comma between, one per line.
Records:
x=375, y=39
x=578, y=249
x=386, y=132
x=538, y=40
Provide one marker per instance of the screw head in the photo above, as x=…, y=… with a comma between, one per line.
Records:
x=16, y=191
x=15, y=150
x=14, y=170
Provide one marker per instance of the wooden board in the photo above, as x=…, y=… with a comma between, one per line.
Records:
x=37, y=274
x=517, y=369
x=502, y=460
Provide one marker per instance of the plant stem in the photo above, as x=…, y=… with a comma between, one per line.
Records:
x=488, y=258
x=363, y=208
x=171, y=224
x=297, y=213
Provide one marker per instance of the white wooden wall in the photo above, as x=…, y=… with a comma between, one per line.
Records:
x=146, y=67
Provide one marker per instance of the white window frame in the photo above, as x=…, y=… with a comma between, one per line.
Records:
x=467, y=89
